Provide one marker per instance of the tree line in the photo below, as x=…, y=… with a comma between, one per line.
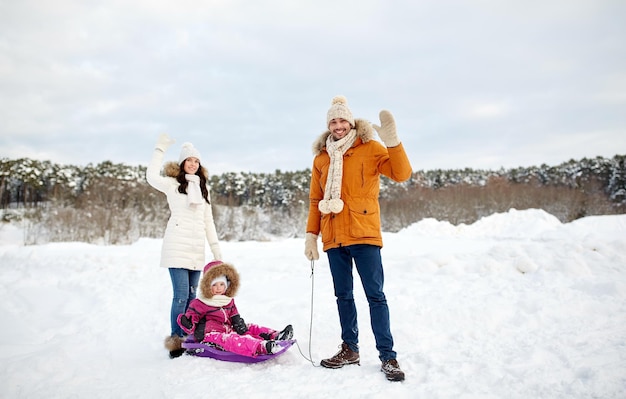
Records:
x=113, y=204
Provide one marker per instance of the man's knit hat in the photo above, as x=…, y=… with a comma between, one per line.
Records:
x=188, y=151
x=339, y=109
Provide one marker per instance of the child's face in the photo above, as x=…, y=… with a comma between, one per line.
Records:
x=219, y=288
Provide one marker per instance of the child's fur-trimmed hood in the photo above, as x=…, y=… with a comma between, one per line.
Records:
x=364, y=131
x=225, y=269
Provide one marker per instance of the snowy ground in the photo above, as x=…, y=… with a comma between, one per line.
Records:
x=516, y=305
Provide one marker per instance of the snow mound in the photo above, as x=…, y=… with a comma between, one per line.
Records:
x=515, y=223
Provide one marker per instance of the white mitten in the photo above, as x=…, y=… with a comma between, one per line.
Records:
x=310, y=247
x=387, y=129
x=164, y=142
x=216, y=251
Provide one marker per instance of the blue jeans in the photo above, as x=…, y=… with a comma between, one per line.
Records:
x=370, y=268
x=184, y=285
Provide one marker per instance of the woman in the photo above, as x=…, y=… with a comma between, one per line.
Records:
x=189, y=225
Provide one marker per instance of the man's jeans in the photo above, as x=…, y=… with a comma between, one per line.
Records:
x=369, y=266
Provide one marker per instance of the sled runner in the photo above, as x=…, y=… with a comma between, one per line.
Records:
x=203, y=350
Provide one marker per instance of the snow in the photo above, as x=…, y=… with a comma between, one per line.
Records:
x=516, y=305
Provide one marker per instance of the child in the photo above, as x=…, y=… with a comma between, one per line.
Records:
x=213, y=317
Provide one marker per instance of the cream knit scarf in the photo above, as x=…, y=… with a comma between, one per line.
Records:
x=332, y=192
x=218, y=301
x=194, y=194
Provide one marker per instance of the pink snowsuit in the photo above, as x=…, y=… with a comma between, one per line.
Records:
x=215, y=313
x=219, y=330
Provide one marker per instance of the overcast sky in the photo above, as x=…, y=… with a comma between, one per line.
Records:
x=482, y=84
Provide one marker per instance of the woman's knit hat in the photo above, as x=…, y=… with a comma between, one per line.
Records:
x=188, y=151
x=339, y=109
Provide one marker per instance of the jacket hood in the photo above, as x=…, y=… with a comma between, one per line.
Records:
x=171, y=169
x=364, y=131
x=225, y=269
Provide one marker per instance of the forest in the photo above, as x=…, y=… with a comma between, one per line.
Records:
x=110, y=203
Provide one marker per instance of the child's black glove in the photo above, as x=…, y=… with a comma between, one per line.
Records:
x=239, y=325
x=184, y=320
x=198, y=334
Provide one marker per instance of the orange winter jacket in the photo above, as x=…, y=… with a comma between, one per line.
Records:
x=363, y=163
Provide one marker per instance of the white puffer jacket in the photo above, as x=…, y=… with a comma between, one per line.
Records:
x=188, y=228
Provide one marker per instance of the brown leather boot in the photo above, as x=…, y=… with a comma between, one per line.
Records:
x=392, y=370
x=342, y=358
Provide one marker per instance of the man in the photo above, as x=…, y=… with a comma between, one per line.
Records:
x=344, y=209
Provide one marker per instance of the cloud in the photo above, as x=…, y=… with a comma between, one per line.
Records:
x=485, y=110
x=251, y=81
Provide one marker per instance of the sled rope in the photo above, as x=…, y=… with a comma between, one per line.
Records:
x=310, y=358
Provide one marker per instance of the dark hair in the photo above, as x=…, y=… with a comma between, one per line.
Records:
x=182, y=188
